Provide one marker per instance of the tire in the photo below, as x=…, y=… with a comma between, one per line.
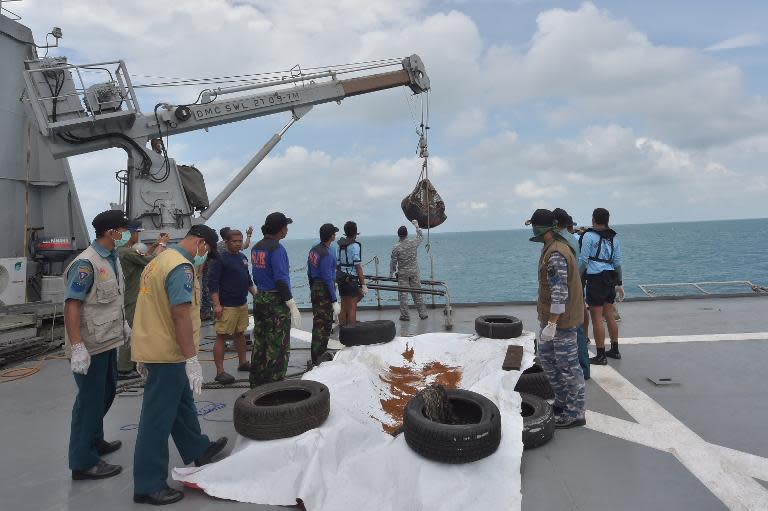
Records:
x=454, y=443
x=498, y=327
x=364, y=333
x=534, y=381
x=281, y=409
x=538, y=421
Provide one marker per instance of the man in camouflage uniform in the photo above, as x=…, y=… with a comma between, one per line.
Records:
x=321, y=271
x=404, y=265
x=560, y=309
x=274, y=310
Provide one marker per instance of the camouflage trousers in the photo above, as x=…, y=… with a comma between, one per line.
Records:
x=322, y=318
x=560, y=360
x=413, y=281
x=271, y=339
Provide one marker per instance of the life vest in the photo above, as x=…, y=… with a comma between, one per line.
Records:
x=344, y=243
x=605, y=234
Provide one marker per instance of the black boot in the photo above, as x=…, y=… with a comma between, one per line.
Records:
x=159, y=498
x=613, y=352
x=213, y=449
x=599, y=359
x=103, y=447
x=100, y=470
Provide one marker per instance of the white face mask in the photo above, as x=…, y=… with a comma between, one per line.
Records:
x=199, y=260
x=124, y=238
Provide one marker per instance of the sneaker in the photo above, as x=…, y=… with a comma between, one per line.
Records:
x=598, y=360
x=567, y=422
x=224, y=378
x=404, y=318
x=213, y=449
x=244, y=368
x=613, y=353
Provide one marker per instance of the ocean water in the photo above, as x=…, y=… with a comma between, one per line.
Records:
x=494, y=266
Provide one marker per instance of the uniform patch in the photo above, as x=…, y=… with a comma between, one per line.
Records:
x=553, y=276
x=83, y=272
x=189, y=277
x=78, y=286
x=103, y=275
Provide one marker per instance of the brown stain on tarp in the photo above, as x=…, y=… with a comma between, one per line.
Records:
x=405, y=382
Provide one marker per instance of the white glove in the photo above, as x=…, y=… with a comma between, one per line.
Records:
x=415, y=223
x=295, y=313
x=619, y=293
x=336, y=308
x=195, y=375
x=142, y=369
x=548, y=332
x=127, y=333
x=364, y=289
x=81, y=359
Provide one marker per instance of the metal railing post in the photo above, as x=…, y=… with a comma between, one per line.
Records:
x=432, y=277
x=378, y=293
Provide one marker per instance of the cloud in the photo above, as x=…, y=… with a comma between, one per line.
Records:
x=748, y=40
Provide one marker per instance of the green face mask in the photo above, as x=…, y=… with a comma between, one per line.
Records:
x=538, y=233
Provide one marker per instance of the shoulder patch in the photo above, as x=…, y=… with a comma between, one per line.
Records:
x=189, y=277
x=83, y=272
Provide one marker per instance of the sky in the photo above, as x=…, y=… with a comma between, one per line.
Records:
x=655, y=110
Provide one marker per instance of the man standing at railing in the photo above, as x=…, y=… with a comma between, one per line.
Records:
x=404, y=265
x=321, y=271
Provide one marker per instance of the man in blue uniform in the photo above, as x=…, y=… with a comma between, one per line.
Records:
x=274, y=310
x=229, y=282
x=600, y=262
x=95, y=326
x=321, y=270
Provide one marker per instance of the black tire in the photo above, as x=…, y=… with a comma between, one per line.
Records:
x=534, y=381
x=281, y=409
x=454, y=443
x=538, y=421
x=364, y=333
x=496, y=326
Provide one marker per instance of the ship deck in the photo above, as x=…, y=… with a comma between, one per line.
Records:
x=699, y=443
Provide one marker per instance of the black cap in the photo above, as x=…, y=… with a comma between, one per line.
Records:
x=274, y=222
x=350, y=229
x=110, y=219
x=135, y=226
x=209, y=235
x=543, y=217
x=327, y=231
x=402, y=231
x=562, y=217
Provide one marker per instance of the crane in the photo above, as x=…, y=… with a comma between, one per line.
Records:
x=78, y=115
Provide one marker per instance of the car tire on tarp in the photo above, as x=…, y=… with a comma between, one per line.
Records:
x=364, y=333
x=538, y=421
x=497, y=326
x=281, y=409
x=534, y=381
x=454, y=443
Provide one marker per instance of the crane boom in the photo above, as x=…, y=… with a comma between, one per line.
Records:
x=79, y=117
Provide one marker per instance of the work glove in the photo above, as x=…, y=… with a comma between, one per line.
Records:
x=548, y=332
x=336, y=308
x=142, y=370
x=195, y=375
x=126, y=333
x=415, y=223
x=81, y=359
x=364, y=290
x=619, y=293
x=295, y=314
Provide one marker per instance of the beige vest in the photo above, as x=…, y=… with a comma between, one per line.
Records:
x=574, y=307
x=102, y=314
x=153, y=339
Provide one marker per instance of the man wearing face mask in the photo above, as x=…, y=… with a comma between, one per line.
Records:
x=165, y=342
x=95, y=326
x=560, y=309
x=274, y=310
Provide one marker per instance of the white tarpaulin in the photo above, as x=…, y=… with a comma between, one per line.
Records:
x=350, y=462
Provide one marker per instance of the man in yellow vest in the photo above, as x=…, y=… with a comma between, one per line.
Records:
x=95, y=326
x=560, y=309
x=165, y=341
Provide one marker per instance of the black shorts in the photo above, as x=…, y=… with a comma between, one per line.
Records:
x=348, y=285
x=599, y=292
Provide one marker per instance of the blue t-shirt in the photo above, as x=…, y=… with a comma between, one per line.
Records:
x=80, y=274
x=608, y=251
x=351, y=256
x=321, y=265
x=228, y=275
x=269, y=265
x=179, y=283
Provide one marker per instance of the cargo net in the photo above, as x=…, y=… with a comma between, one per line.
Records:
x=424, y=205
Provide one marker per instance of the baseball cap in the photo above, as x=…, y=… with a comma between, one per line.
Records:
x=327, y=230
x=562, y=217
x=275, y=221
x=135, y=226
x=350, y=228
x=542, y=217
x=110, y=219
x=209, y=235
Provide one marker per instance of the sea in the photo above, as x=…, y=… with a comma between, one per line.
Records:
x=498, y=266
